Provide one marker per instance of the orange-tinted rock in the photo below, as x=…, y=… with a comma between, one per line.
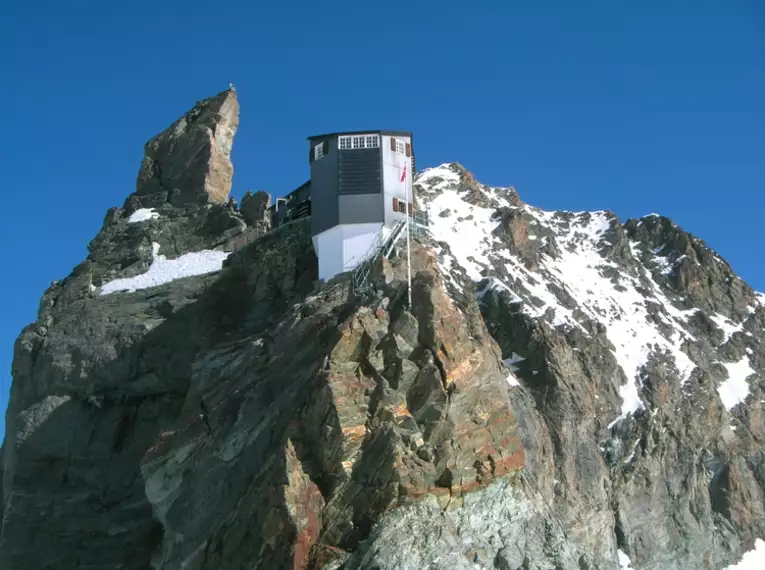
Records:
x=304, y=503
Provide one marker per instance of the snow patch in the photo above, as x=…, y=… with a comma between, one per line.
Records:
x=494, y=284
x=537, y=288
x=624, y=560
x=664, y=264
x=36, y=414
x=735, y=389
x=438, y=178
x=142, y=214
x=753, y=559
x=163, y=270
x=511, y=364
x=466, y=228
x=449, y=267
x=727, y=326
x=631, y=456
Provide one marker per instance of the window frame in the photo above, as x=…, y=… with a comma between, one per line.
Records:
x=402, y=207
x=358, y=142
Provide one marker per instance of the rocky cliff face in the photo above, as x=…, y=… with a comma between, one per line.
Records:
x=566, y=391
x=643, y=352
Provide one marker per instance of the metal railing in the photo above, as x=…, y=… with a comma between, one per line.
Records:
x=396, y=233
x=420, y=223
x=360, y=277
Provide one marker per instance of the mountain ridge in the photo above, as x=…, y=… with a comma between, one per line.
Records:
x=566, y=391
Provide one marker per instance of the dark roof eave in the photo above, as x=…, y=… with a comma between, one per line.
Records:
x=372, y=132
x=298, y=189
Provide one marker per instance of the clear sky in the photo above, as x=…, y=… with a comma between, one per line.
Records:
x=633, y=107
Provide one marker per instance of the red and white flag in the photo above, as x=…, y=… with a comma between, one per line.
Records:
x=403, y=174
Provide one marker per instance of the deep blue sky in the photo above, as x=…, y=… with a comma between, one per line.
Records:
x=634, y=107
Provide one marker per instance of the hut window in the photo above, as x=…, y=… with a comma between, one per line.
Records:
x=358, y=141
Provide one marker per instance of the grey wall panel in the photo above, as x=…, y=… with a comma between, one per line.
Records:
x=324, y=206
x=360, y=208
x=359, y=171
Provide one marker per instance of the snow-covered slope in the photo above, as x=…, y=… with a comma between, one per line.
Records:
x=163, y=270
x=563, y=268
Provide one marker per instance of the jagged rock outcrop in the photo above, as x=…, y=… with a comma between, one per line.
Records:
x=565, y=391
x=687, y=266
x=255, y=211
x=190, y=162
x=179, y=207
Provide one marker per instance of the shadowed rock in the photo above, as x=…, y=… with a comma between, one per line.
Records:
x=255, y=210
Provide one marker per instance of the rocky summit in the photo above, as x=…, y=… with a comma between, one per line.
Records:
x=190, y=162
x=566, y=391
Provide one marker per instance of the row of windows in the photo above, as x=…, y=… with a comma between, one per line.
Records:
x=349, y=142
x=359, y=141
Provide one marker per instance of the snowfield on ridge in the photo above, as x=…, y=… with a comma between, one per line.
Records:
x=639, y=315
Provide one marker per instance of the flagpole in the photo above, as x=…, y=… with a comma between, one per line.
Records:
x=409, y=208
